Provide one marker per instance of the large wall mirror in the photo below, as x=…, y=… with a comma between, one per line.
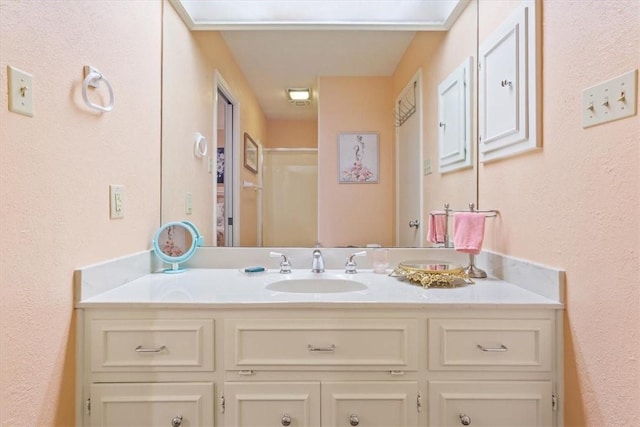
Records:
x=395, y=107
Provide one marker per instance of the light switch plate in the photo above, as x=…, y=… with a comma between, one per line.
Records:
x=116, y=201
x=426, y=167
x=611, y=100
x=20, y=91
x=188, y=203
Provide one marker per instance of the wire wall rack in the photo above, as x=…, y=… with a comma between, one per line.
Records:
x=406, y=107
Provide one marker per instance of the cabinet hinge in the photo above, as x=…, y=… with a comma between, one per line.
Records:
x=554, y=402
x=419, y=402
x=222, y=404
x=88, y=406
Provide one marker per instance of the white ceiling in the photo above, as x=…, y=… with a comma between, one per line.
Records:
x=287, y=46
x=272, y=61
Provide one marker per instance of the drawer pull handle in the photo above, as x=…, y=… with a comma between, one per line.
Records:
x=176, y=421
x=500, y=349
x=329, y=349
x=465, y=420
x=141, y=349
x=286, y=420
x=353, y=420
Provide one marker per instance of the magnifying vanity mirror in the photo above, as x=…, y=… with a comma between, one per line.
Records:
x=226, y=82
x=175, y=243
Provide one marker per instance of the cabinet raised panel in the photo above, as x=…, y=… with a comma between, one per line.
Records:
x=490, y=404
x=490, y=344
x=152, y=404
x=370, y=404
x=272, y=404
x=353, y=344
x=152, y=345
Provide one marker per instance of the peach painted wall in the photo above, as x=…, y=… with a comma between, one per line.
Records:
x=575, y=205
x=55, y=171
x=438, y=54
x=283, y=133
x=187, y=108
x=355, y=214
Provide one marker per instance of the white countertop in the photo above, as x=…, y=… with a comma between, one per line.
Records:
x=231, y=288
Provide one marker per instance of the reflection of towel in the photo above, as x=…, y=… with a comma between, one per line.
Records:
x=437, y=226
x=468, y=231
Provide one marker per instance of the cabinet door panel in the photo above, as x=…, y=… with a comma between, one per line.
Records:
x=490, y=344
x=369, y=404
x=271, y=404
x=490, y=404
x=152, y=345
x=343, y=344
x=150, y=405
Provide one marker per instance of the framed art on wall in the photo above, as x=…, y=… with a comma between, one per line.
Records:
x=250, y=154
x=358, y=157
x=220, y=165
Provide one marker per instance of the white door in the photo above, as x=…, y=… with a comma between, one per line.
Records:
x=409, y=221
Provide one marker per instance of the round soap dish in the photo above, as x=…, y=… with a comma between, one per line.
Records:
x=432, y=274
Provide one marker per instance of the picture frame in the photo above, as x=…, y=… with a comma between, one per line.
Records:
x=358, y=161
x=250, y=154
x=220, y=165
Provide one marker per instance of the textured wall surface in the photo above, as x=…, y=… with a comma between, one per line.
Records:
x=189, y=60
x=575, y=205
x=55, y=171
x=355, y=214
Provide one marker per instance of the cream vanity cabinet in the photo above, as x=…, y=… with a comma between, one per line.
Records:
x=354, y=363
x=319, y=367
x=146, y=368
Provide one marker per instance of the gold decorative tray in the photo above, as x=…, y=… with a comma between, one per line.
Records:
x=432, y=274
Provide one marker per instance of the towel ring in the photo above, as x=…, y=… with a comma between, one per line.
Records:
x=200, y=147
x=93, y=77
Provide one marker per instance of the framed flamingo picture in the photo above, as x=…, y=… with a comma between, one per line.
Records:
x=358, y=158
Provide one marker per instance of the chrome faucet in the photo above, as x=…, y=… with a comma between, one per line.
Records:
x=317, y=264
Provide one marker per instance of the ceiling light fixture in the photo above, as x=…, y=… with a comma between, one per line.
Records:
x=299, y=95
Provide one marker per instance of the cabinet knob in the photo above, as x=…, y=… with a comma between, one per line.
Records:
x=353, y=420
x=176, y=421
x=465, y=420
x=286, y=420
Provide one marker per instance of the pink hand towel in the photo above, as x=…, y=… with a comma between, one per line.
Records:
x=437, y=226
x=468, y=231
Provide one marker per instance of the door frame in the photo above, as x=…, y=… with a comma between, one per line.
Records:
x=232, y=232
x=417, y=77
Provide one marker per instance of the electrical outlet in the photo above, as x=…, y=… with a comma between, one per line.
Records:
x=20, y=86
x=116, y=201
x=188, y=203
x=611, y=100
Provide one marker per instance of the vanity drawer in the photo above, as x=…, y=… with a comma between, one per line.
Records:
x=360, y=344
x=490, y=344
x=158, y=345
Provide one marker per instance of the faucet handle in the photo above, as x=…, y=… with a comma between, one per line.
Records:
x=285, y=265
x=350, y=265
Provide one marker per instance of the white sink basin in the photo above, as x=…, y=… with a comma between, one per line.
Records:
x=316, y=285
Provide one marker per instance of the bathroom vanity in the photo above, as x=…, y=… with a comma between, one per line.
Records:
x=216, y=346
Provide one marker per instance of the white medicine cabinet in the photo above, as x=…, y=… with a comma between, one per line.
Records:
x=454, y=119
x=508, y=83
